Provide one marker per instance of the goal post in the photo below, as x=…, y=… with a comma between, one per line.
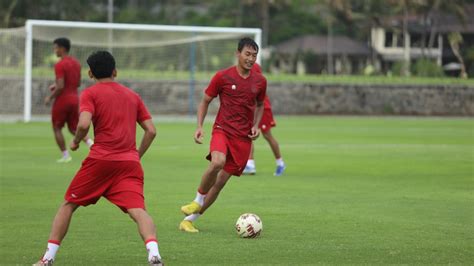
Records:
x=142, y=52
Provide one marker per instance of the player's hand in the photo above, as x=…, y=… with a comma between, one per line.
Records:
x=198, y=135
x=254, y=133
x=74, y=146
x=52, y=87
x=47, y=100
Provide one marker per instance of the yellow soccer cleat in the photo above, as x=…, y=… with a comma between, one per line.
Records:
x=191, y=208
x=188, y=226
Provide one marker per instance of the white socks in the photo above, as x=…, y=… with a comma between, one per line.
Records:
x=65, y=154
x=89, y=142
x=200, y=198
x=50, y=253
x=53, y=246
x=251, y=163
x=280, y=162
x=152, y=248
x=192, y=217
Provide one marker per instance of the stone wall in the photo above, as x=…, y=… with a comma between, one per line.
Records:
x=372, y=99
x=171, y=97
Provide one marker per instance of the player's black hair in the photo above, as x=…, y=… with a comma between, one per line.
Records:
x=63, y=42
x=101, y=63
x=246, y=41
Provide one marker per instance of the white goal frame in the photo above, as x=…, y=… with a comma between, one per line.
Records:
x=119, y=26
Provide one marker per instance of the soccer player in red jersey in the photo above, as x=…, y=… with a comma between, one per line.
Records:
x=265, y=126
x=241, y=92
x=112, y=169
x=64, y=93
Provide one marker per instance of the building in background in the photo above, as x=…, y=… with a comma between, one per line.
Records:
x=312, y=54
x=428, y=39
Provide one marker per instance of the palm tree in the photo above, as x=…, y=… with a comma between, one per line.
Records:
x=455, y=39
x=429, y=10
x=264, y=10
x=360, y=16
x=7, y=13
x=406, y=7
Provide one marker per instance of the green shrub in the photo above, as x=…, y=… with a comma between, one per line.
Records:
x=397, y=68
x=427, y=68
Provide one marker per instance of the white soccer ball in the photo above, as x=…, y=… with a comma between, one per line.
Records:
x=249, y=225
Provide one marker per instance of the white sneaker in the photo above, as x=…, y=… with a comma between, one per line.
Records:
x=64, y=159
x=90, y=142
x=156, y=261
x=43, y=262
x=249, y=170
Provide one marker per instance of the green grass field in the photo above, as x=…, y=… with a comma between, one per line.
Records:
x=358, y=190
x=152, y=75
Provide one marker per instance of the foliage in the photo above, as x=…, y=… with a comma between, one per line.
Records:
x=427, y=68
x=397, y=68
x=287, y=19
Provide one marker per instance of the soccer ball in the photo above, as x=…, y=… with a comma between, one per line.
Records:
x=248, y=225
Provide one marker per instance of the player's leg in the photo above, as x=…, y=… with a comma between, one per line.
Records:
x=58, y=231
x=187, y=224
x=213, y=193
x=238, y=153
x=218, y=161
x=73, y=119
x=59, y=137
x=210, y=175
x=62, y=220
x=273, y=143
x=126, y=192
x=88, y=141
x=86, y=188
x=208, y=179
x=58, y=119
x=250, y=168
x=265, y=125
x=276, y=152
x=147, y=230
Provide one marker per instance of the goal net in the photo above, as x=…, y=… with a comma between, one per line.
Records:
x=167, y=65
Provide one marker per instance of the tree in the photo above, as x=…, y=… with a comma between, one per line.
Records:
x=430, y=10
x=7, y=12
x=455, y=39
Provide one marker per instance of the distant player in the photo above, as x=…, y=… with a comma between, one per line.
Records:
x=64, y=93
x=265, y=126
x=241, y=92
x=112, y=169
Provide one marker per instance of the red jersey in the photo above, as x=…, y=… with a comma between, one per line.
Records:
x=115, y=111
x=238, y=97
x=266, y=102
x=70, y=70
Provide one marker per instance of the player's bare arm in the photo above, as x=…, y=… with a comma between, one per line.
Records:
x=55, y=89
x=255, y=131
x=85, y=119
x=201, y=115
x=150, y=133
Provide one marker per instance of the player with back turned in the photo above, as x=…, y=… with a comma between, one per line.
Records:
x=112, y=169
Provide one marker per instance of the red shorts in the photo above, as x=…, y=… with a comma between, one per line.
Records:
x=121, y=182
x=267, y=121
x=65, y=110
x=237, y=151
